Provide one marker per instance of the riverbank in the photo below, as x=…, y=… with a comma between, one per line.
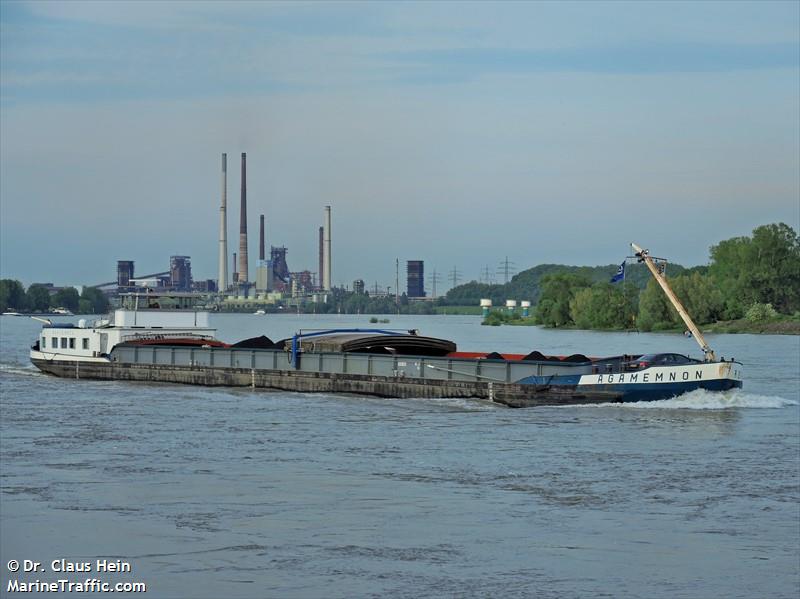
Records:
x=457, y=310
x=788, y=325
x=782, y=325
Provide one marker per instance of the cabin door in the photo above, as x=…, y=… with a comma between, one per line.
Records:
x=103, y=343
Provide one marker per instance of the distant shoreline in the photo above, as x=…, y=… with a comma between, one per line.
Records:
x=788, y=325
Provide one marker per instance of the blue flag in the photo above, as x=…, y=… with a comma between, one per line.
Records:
x=620, y=276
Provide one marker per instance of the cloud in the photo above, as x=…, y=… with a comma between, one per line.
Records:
x=630, y=59
x=305, y=19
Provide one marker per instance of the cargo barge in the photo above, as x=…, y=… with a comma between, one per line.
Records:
x=164, y=338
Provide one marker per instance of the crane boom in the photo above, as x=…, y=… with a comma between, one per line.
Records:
x=644, y=256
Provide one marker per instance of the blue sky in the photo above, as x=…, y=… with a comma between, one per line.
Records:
x=457, y=133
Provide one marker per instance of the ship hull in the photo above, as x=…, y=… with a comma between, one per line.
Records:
x=505, y=382
x=654, y=383
x=512, y=395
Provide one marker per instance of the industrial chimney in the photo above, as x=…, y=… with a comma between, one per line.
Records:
x=235, y=274
x=222, y=281
x=326, y=278
x=243, y=270
x=261, y=240
x=321, y=257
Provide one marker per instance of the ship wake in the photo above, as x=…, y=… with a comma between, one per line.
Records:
x=701, y=399
x=21, y=370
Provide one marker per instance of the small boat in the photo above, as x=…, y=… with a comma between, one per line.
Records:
x=165, y=338
x=62, y=312
x=260, y=312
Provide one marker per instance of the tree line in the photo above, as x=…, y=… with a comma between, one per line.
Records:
x=37, y=298
x=349, y=302
x=753, y=277
x=527, y=285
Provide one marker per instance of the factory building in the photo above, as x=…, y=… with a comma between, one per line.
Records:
x=205, y=286
x=155, y=283
x=280, y=269
x=264, y=275
x=358, y=286
x=124, y=274
x=180, y=273
x=302, y=283
x=415, y=272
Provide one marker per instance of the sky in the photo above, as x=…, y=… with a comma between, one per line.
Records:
x=455, y=133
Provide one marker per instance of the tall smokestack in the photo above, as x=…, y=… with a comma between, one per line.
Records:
x=235, y=274
x=243, y=270
x=321, y=257
x=261, y=240
x=326, y=279
x=222, y=281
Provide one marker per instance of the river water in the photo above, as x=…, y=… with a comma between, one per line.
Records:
x=241, y=493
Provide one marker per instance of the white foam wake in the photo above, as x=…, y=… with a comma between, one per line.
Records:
x=29, y=370
x=472, y=404
x=701, y=399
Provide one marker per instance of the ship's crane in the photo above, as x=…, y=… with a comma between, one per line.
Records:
x=644, y=256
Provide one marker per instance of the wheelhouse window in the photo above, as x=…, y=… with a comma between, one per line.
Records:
x=85, y=343
x=63, y=343
x=54, y=342
x=72, y=342
x=44, y=342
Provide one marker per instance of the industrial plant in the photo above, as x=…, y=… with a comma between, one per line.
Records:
x=271, y=282
x=274, y=281
x=178, y=277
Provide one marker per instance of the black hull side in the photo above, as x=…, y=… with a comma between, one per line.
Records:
x=509, y=394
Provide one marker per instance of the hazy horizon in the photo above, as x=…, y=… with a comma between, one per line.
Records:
x=454, y=133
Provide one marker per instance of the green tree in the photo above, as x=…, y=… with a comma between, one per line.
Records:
x=12, y=295
x=700, y=296
x=760, y=313
x=698, y=293
x=582, y=308
x=66, y=298
x=764, y=268
x=497, y=317
x=776, y=276
x=97, y=301
x=654, y=309
x=84, y=306
x=38, y=298
x=356, y=304
x=604, y=306
x=556, y=293
x=728, y=270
